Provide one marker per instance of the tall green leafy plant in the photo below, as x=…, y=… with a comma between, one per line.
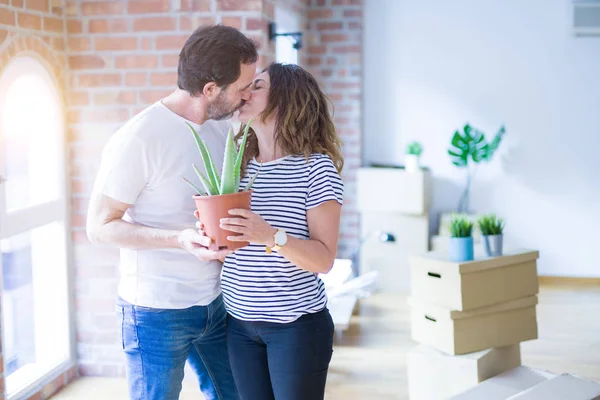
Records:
x=229, y=180
x=468, y=149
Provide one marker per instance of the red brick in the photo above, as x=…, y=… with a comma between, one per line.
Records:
x=137, y=61
x=74, y=26
x=154, y=24
x=329, y=26
x=78, y=98
x=38, y=5
x=58, y=44
x=254, y=24
x=239, y=5
x=117, y=97
x=320, y=13
x=7, y=17
x=147, y=43
x=94, y=304
x=312, y=61
x=36, y=396
x=352, y=13
x=114, y=7
x=235, y=22
x=136, y=79
x=170, y=42
x=148, y=6
x=163, y=79
x=347, y=49
x=347, y=2
x=334, y=37
x=151, y=96
x=113, y=25
x=78, y=44
x=116, y=43
x=355, y=25
x=52, y=24
x=187, y=23
x=73, y=117
x=170, y=60
x=196, y=5
x=3, y=35
x=96, y=80
x=316, y=49
x=29, y=21
x=86, y=62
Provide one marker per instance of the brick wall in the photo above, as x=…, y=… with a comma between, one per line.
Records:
x=36, y=28
x=116, y=57
x=333, y=55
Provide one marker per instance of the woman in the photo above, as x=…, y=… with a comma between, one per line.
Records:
x=280, y=333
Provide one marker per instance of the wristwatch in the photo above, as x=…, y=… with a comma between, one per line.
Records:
x=280, y=239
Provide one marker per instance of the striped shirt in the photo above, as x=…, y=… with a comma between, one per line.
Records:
x=266, y=287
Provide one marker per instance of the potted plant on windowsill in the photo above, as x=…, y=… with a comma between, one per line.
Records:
x=412, y=156
x=460, y=247
x=491, y=229
x=221, y=193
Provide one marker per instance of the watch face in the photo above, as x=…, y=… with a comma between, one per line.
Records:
x=280, y=238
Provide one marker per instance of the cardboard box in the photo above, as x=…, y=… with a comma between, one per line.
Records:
x=561, y=387
x=436, y=375
x=505, y=385
x=391, y=259
x=473, y=284
x=460, y=332
x=393, y=190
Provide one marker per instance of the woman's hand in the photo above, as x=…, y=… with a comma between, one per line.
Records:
x=253, y=227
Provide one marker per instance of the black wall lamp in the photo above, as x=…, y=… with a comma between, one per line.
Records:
x=297, y=36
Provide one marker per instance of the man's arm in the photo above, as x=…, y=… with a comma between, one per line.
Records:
x=105, y=225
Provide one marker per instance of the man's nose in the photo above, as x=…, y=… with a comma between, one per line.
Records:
x=246, y=94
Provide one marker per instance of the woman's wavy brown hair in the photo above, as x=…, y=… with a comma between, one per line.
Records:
x=303, y=124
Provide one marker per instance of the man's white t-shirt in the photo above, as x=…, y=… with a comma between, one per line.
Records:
x=143, y=165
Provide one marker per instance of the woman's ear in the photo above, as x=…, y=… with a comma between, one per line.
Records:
x=211, y=90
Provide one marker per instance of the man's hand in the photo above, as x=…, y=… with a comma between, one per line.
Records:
x=200, y=245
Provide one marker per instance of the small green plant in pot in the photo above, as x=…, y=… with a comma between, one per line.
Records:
x=492, y=229
x=412, y=156
x=460, y=246
x=221, y=193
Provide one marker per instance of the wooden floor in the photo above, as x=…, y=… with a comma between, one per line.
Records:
x=370, y=359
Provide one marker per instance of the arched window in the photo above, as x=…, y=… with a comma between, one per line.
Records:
x=33, y=225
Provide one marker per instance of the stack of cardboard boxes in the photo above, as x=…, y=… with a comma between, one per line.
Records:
x=469, y=319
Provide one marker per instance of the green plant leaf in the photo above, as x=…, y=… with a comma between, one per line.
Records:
x=461, y=226
x=210, y=189
x=240, y=156
x=460, y=150
x=209, y=165
x=495, y=143
x=251, y=181
x=196, y=188
x=414, y=148
x=228, y=173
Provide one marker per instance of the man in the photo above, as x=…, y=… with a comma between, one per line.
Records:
x=169, y=301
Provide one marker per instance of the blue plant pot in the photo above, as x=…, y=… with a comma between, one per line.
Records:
x=460, y=248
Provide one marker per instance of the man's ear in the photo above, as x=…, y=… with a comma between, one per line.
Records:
x=211, y=90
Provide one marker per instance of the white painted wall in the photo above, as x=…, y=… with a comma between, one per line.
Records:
x=430, y=66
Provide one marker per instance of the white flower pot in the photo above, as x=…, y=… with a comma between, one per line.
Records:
x=411, y=163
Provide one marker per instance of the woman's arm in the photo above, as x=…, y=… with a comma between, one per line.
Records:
x=316, y=254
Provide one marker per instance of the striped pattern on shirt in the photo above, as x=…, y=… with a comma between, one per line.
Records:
x=266, y=287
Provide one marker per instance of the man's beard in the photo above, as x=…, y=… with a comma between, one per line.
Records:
x=221, y=109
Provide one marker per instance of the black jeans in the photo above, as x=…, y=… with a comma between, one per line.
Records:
x=283, y=361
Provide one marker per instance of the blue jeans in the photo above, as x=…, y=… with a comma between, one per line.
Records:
x=157, y=343
x=283, y=361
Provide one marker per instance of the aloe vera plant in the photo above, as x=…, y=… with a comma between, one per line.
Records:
x=229, y=180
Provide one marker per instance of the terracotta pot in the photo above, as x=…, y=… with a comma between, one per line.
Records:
x=212, y=208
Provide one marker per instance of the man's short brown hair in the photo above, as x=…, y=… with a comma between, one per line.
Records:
x=213, y=54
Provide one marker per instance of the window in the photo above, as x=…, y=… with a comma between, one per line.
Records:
x=33, y=229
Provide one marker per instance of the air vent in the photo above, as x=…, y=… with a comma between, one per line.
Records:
x=586, y=18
